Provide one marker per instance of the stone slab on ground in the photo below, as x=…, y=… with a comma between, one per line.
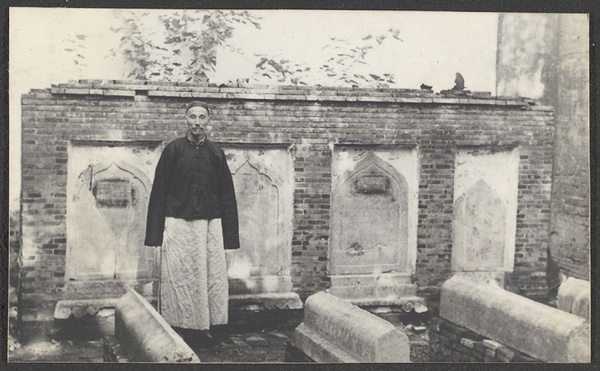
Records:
x=574, y=297
x=337, y=331
x=540, y=331
x=145, y=335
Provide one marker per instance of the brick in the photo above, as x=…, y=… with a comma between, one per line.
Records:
x=283, y=115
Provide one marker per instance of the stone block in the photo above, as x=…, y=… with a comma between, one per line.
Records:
x=78, y=308
x=145, y=335
x=266, y=301
x=540, y=331
x=574, y=297
x=337, y=331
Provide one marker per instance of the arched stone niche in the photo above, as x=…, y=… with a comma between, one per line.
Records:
x=107, y=198
x=106, y=229
x=370, y=219
x=263, y=183
x=373, y=225
x=485, y=208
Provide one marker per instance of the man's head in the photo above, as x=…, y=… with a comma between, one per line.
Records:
x=197, y=116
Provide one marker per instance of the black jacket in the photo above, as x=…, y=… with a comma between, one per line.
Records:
x=192, y=182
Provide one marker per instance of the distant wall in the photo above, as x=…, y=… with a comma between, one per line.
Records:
x=312, y=122
x=546, y=57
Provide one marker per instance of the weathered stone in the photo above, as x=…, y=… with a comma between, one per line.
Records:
x=486, y=192
x=373, y=251
x=264, y=189
x=268, y=301
x=145, y=335
x=107, y=187
x=376, y=238
x=337, y=331
x=574, y=297
x=540, y=331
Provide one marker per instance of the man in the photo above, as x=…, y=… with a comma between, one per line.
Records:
x=192, y=214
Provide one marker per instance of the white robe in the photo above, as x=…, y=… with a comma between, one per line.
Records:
x=194, y=288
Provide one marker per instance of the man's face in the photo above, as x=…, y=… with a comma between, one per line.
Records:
x=197, y=118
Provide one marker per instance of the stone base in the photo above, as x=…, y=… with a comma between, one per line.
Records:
x=99, y=289
x=268, y=301
x=257, y=312
x=378, y=290
x=259, y=285
x=66, y=309
x=407, y=304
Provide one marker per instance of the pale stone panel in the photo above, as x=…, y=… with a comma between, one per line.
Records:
x=374, y=211
x=263, y=185
x=337, y=331
x=538, y=330
x=107, y=199
x=485, y=210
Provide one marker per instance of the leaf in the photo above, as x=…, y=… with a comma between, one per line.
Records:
x=81, y=37
x=367, y=37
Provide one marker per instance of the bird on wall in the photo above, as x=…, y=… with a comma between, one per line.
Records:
x=459, y=82
x=426, y=87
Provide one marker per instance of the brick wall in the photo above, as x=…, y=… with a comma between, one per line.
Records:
x=449, y=342
x=313, y=120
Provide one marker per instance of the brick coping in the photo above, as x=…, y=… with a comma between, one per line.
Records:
x=132, y=88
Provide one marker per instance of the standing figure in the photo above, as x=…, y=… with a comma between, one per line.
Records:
x=192, y=215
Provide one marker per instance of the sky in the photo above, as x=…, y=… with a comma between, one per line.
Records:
x=434, y=46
